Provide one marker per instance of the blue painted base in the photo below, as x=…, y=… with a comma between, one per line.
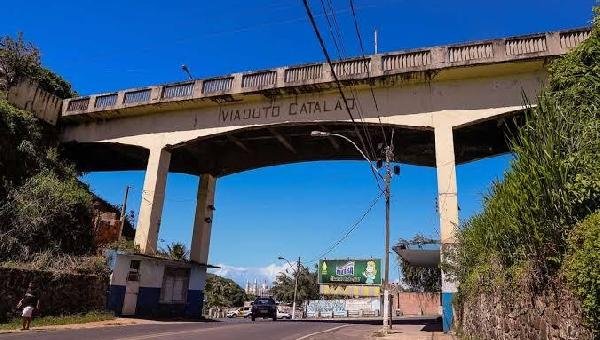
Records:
x=195, y=302
x=147, y=301
x=115, y=298
x=447, y=311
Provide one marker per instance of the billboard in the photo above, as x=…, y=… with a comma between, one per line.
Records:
x=350, y=272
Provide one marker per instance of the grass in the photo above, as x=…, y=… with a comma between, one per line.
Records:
x=60, y=320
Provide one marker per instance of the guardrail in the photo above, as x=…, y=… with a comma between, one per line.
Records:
x=481, y=52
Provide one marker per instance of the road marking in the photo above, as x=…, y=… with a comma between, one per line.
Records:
x=319, y=332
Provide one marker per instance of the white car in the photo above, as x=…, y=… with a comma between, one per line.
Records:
x=283, y=315
x=233, y=313
x=239, y=312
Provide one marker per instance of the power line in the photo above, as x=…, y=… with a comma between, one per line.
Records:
x=362, y=49
x=336, y=28
x=349, y=231
x=335, y=77
x=369, y=150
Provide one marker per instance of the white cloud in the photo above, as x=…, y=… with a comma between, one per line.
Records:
x=242, y=274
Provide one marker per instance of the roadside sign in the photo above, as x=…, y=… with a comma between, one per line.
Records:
x=350, y=272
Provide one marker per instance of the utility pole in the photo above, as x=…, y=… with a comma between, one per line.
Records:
x=387, y=320
x=296, y=289
x=389, y=157
x=123, y=212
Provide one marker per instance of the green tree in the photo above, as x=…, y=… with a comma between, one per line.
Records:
x=20, y=59
x=308, y=287
x=223, y=292
x=419, y=279
x=176, y=251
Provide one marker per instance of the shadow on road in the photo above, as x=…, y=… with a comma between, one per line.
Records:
x=430, y=324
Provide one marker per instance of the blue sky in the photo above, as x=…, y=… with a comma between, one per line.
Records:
x=293, y=210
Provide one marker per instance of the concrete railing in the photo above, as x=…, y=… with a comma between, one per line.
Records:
x=222, y=89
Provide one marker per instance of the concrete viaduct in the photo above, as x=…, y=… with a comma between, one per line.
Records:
x=447, y=105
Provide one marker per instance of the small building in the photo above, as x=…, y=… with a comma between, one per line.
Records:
x=150, y=286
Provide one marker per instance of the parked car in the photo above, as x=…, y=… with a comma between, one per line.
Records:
x=234, y=313
x=239, y=312
x=264, y=307
x=246, y=312
x=283, y=315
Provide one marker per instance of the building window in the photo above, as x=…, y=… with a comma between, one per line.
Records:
x=175, y=285
x=134, y=268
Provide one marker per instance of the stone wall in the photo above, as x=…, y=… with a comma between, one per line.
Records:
x=59, y=293
x=519, y=314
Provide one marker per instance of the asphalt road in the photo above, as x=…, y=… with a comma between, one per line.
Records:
x=217, y=330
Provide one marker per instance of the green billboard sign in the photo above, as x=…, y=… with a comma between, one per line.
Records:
x=350, y=272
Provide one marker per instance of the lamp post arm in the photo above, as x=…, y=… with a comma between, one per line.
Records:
x=359, y=150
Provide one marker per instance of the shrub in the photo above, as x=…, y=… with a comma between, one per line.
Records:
x=47, y=213
x=552, y=184
x=582, y=267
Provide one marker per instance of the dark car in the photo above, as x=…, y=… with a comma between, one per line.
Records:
x=264, y=307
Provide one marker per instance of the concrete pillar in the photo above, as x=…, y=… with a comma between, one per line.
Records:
x=203, y=220
x=153, y=196
x=448, y=210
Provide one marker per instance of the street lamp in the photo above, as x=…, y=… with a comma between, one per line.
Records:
x=389, y=156
x=186, y=69
x=295, y=284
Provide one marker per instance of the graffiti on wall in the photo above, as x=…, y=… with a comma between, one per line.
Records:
x=341, y=306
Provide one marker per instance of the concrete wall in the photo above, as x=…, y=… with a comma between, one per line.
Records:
x=28, y=95
x=59, y=293
x=343, y=308
x=416, y=303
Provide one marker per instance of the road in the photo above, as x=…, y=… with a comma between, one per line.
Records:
x=217, y=330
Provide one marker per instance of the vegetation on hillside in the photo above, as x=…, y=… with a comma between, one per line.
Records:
x=529, y=218
x=46, y=212
x=419, y=279
x=223, y=292
x=42, y=204
x=20, y=59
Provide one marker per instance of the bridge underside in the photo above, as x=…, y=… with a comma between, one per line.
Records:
x=256, y=147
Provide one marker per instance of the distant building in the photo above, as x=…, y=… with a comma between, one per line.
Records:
x=258, y=290
x=106, y=223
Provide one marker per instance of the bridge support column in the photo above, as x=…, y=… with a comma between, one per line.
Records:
x=448, y=210
x=203, y=220
x=153, y=196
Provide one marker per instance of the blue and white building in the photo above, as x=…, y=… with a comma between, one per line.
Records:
x=149, y=286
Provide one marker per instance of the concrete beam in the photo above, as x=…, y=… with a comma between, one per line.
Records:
x=331, y=140
x=238, y=143
x=153, y=196
x=205, y=206
x=283, y=141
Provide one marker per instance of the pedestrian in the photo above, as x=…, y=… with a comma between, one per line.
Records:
x=29, y=303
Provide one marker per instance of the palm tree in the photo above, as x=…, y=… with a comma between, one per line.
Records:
x=176, y=251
